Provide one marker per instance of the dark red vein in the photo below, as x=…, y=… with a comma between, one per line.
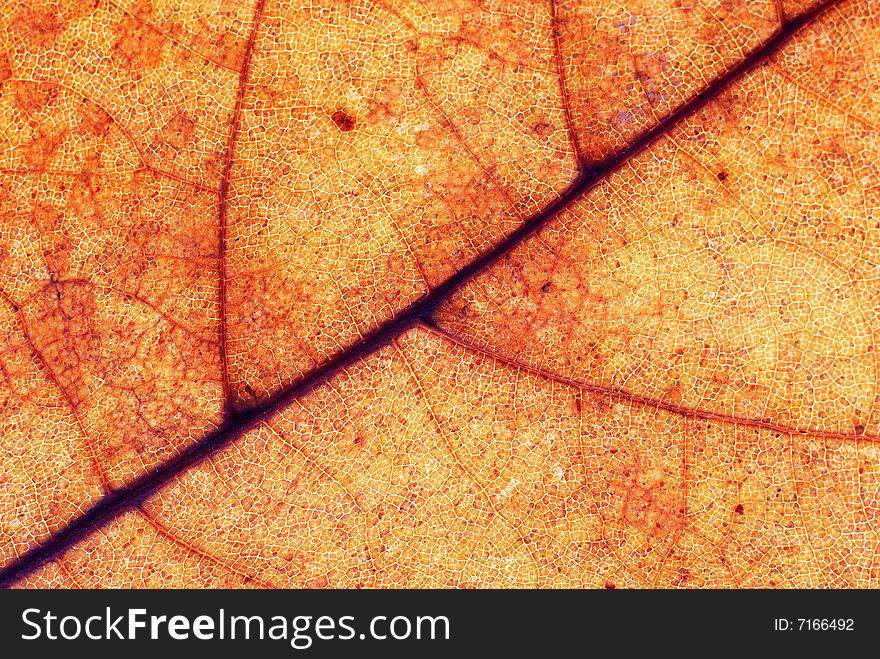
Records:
x=223, y=200
x=235, y=425
x=556, y=36
x=627, y=396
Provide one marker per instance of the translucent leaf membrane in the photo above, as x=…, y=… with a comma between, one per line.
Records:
x=431, y=465
x=672, y=382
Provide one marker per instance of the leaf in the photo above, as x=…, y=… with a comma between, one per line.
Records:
x=446, y=294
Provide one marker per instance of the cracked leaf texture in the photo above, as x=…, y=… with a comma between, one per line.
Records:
x=670, y=380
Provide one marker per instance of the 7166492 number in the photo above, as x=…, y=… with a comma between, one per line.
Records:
x=825, y=624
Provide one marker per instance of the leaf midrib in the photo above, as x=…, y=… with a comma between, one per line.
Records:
x=236, y=424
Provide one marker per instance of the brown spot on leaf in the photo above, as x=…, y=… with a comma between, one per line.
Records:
x=344, y=121
x=542, y=129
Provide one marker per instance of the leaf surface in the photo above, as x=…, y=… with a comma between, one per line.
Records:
x=457, y=294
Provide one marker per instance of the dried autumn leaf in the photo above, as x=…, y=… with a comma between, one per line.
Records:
x=445, y=294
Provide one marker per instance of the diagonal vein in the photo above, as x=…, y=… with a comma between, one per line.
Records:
x=223, y=200
x=235, y=424
x=624, y=395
